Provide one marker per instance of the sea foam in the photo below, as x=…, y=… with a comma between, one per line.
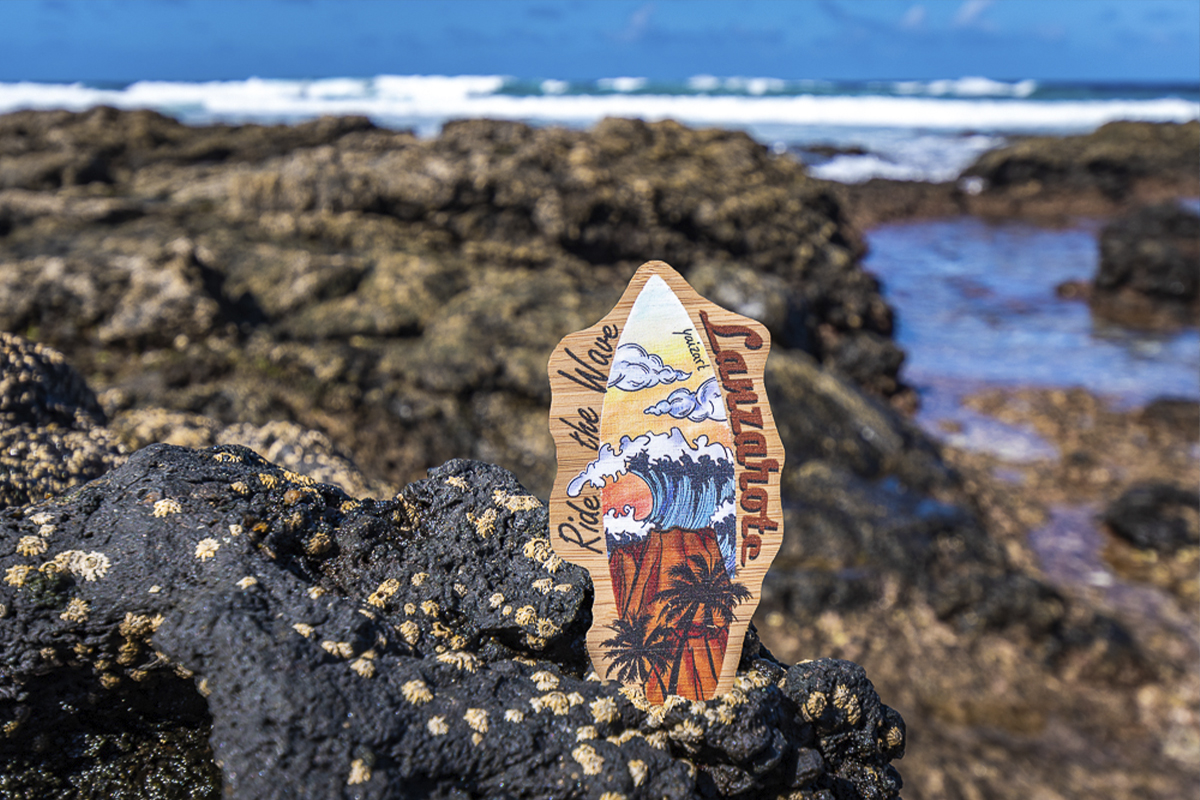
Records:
x=777, y=112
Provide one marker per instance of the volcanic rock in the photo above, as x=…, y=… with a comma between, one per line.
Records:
x=1150, y=265
x=401, y=296
x=1156, y=516
x=219, y=626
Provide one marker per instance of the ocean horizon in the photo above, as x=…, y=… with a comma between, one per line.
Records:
x=903, y=130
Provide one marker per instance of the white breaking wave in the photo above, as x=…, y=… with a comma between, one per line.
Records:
x=672, y=446
x=967, y=87
x=428, y=101
x=912, y=130
x=623, y=527
x=909, y=158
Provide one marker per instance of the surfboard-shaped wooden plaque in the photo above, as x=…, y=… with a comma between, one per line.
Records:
x=667, y=489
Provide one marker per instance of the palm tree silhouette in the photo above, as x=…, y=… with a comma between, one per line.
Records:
x=638, y=650
x=700, y=601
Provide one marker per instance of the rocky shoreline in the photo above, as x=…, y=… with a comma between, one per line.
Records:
x=1046, y=179
x=359, y=306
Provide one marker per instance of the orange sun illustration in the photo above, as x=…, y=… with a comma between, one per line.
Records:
x=629, y=490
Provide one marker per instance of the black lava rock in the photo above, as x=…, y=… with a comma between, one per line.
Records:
x=202, y=623
x=1154, y=251
x=1156, y=516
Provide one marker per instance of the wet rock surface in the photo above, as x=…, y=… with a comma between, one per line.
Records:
x=1162, y=517
x=1118, y=167
x=1150, y=267
x=52, y=433
x=316, y=287
x=401, y=295
x=238, y=630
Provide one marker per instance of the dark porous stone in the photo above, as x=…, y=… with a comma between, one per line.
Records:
x=39, y=387
x=202, y=623
x=51, y=425
x=1110, y=160
x=401, y=295
x=1149, y=272
x=1156, y=516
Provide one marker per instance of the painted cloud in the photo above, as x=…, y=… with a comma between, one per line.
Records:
x=636, y=369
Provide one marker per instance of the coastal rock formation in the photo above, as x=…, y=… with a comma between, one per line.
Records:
x=1156, y=516
x=400, y=295
x=1115, y=168
x=55, y=435
x=1111, y=161
x=202, y=623
x=1150, y=266
x=52, y=433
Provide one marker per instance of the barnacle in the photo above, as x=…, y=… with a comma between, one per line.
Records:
x=463, y=661
x=687, y=731
x=437, y=726
x=207, y=548
x=476, y=719
x=247, y=582
x=537, y=549
x=364, y=665
x=637, y=771
x=588, y=758
x=514, y=715
x=485, y=523
x=385, y=590
x=303, y=629
x=814, y=706
x=359, y=772
x=342, y=649
x=15, y=576
x=168, y=505
x=416, y=692
x=515, y=502
x=604, y=710
x=76, y=611
x=544, y=680
x=635, y=695
x=31, y=545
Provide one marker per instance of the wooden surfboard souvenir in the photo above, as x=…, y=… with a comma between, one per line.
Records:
x=667, y=489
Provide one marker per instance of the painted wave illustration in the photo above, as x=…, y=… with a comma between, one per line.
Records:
x=691, y=486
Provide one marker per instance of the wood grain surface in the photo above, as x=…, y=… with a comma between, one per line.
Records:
x=684, y=630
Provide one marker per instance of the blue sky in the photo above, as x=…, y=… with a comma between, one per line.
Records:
x=123, y=40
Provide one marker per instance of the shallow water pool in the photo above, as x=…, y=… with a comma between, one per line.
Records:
x=976, y=308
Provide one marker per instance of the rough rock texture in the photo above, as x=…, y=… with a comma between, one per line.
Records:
x=332, y=295
x=1117, y=167
x=1111, y=160
x=427, y=646
x=1156, y=516
x=53, y=432
x=51, y=425
x=1150, y=265
x=401, y=296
